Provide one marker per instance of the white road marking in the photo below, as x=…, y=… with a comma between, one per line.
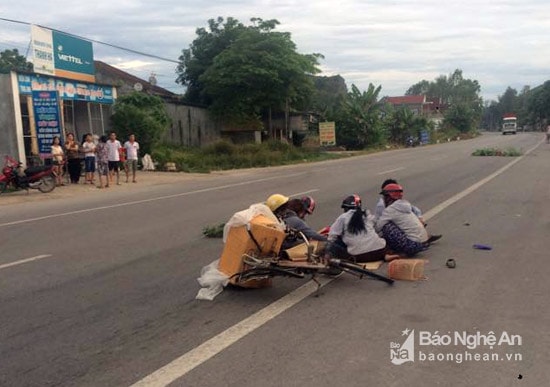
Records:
x=22, y=261
x=441, y=206
x=390, y=171
x=304, y=193
x=150, y=200
x=192, y=359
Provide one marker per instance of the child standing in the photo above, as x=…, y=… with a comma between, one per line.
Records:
x=89, y=149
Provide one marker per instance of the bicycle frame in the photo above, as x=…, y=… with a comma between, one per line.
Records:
x=258, y=267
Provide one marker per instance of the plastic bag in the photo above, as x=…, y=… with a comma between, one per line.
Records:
x=212, y=281
x=243, y=217
x=148, y=164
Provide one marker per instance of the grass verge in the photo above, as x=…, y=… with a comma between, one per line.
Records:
x=224, y=155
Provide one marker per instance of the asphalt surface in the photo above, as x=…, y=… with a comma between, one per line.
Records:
x=111, y=298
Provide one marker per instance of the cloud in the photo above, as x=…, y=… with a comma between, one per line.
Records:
x=393, y=43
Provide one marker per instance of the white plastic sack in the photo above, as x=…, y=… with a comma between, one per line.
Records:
x=147, y=162
x=244, y=217
x=212, y=281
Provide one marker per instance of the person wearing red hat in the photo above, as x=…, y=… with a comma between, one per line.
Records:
x=291, y=217
x=399, y=226
x=380, y=205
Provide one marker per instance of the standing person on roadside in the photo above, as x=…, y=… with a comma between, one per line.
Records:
x=132, y=152
x=57, y=159
x=89, y=149
x=73, y=158
x=548, y=134
x=113, y=148
x=102, y=161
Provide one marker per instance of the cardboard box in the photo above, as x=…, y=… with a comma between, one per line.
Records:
x=269, y=237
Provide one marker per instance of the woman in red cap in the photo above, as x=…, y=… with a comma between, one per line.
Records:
x=399, y=226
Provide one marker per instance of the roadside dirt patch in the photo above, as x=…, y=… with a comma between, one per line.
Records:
x=144, y=179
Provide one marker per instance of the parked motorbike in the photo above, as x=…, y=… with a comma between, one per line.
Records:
x=41, y=178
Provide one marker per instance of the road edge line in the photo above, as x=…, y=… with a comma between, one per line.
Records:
x=453, y=199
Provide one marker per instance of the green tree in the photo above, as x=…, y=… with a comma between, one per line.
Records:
x=492, y=116
x=260, y=70
x=462, y=95
x=330, y=93
x=508, y=101
x=208, y=44
x=241, y=71
x=538, y=104
x=460, y=117
x=143, y=115
x=11, y=60
x=402, y=123
x=359, y=122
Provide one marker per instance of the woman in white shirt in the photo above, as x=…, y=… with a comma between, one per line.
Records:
x=57, y=159
x=352, y=234
x=88, y=147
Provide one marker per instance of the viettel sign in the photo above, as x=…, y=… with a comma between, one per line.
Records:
x=62, y=55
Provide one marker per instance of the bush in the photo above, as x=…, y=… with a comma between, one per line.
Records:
x=508, y=152
x=222, y=147
x=213, y=231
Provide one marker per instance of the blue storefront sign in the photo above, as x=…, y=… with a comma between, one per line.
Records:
x=67, y=89
x=47, y=119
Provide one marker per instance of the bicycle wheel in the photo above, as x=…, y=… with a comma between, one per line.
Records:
x=361, y=271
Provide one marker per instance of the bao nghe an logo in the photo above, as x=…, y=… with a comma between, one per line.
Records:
x=456, y=346
x=403, y=352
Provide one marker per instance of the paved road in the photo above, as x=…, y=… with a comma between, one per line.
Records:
x=110, y=297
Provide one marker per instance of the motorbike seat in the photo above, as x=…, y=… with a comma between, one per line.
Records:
x=37, y=169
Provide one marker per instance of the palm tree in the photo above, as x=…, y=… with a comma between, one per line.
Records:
x=364, y=110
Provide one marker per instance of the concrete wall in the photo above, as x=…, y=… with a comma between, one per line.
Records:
x=191, y=126
x=8, y=133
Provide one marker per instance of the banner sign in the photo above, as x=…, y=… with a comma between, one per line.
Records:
x=327, y=133
x=62, y=55
x=42, y=50
x=47, y=119
x=79, y=91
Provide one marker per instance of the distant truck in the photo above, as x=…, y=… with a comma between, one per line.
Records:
x=509, y=123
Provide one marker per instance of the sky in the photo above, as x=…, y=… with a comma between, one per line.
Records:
x=392, y=43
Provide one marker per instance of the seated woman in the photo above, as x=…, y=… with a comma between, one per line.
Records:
x=290, y=211
x=400, y=227
x=352, y=234
x=380, y=205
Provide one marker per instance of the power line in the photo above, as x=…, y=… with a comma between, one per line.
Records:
x=95, y=41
